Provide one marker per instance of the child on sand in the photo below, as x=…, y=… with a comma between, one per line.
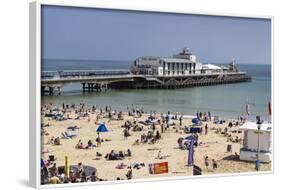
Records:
x=159, y=155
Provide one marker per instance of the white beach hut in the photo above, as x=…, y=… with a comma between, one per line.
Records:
x=257, y=142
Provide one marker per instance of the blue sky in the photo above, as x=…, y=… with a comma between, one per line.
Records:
x=100, y=34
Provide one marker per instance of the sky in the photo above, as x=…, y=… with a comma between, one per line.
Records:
x=101, y=34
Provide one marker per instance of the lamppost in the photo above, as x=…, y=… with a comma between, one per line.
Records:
x=258, y=144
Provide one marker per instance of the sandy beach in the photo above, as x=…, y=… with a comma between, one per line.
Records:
x=212, y=144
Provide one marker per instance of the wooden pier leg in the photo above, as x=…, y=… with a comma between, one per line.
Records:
x=43, y=90
x=59, y=90
x=83, y=87
x=51, y=91
x=95, y=87
x=98, y=87
x=89, y=88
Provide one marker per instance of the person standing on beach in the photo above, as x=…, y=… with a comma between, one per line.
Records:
x=109, y=116
x=98, y=140
x=126, y=133
x=129, y=174
x=162, y=128
x=167, y=118
x=97, y=119
x=153, y=127
x=181, y=120
x=206, y=129
x=209, y=116
x=80, y=169
x=207, y=162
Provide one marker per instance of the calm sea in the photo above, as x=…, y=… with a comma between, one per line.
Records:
x=227, y=100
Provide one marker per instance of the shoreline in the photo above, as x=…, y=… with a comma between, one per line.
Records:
x=185, y=114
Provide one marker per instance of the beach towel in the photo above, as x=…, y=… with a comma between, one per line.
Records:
x=69, y=135
x=64, y=136
x=72, y=128
x=121, y=166
x=195, y=130
x=158, y=168
x=144, y=123
x=45, y=151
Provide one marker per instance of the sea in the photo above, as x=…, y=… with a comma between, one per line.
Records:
x=226, y=101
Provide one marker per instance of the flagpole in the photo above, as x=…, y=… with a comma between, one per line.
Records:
x=190, y=157
x=269, y=111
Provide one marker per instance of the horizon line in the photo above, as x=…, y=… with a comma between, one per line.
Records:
x=206, y=62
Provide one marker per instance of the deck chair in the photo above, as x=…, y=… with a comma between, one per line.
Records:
x=64, y=136
x=72, y=128
x=69, y=135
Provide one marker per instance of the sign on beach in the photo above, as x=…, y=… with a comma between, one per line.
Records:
x=158, y=168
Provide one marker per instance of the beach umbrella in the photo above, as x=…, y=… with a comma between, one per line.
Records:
x=102, y=128
x=195, y=121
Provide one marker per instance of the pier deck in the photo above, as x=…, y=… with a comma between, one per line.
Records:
x=52, y=82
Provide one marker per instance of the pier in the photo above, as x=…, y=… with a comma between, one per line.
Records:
x=182, y=70
x=53, y=82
